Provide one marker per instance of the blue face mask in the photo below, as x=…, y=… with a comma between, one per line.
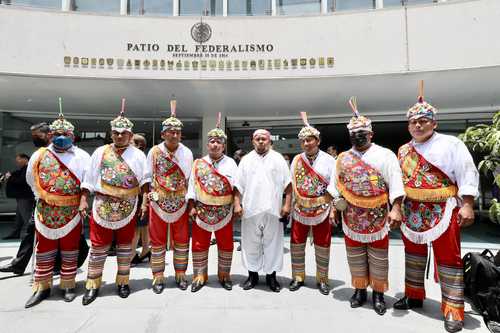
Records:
x=62, y=142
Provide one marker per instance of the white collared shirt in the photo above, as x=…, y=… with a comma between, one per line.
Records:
x=226, y=167
x=134, y=158
x=323, y=164
x=182, y=156
x=261, y=181
x=451, y=156
x=75, y=159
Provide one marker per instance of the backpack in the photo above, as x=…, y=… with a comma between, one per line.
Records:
x=482, y=285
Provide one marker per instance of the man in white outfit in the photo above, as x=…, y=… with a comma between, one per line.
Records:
x=263, y=177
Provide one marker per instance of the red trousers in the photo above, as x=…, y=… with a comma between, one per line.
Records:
x=46, y=251
x=101, y=239
x=322, y=236
x=179, y=236
x=448, y=260
x=368, y=263
x=199, y=248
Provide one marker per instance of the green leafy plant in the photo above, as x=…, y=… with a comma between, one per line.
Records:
x=484, y=141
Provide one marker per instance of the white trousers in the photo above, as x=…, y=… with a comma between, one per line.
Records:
x=262, y=243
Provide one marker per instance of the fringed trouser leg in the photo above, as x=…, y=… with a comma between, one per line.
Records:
x=368, y=263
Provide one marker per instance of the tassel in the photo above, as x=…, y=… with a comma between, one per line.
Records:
x=421, y=91
x=303, y=115
x=354, y=106
x=218, y=120
x=173, y=105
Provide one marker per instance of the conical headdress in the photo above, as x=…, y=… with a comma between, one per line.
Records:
x=358, y=122
x=61, y=124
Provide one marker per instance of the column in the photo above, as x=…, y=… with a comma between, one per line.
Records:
x=379, y=4
x=175, y=7
x=66, y=5
x=224, y=7
x=123, y=7
x=273, y=8
x=209, y=122
x=324, y=6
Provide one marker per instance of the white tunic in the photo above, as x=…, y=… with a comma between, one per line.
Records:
x=451, y=156
x=77, y=161
x=384, y=161
x=261, y=181
x=134, y=158
x=323, y=165
x=182, y=156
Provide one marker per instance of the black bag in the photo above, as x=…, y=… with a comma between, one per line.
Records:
x=482, y=284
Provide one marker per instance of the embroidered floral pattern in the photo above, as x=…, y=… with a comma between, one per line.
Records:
x=211, y=214
x=55, y=217
x=422, y=216
x=417, y=172
x=113, y=209
x=365, y=220
x=360, y=178
x=307, y=182
x=115, y=171
x=56, y=178
x=167, y=173
x=172, y=204
x=210, y=181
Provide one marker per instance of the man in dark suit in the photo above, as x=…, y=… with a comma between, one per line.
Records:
x=16, y=187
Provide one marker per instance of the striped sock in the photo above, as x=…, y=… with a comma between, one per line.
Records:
x=43, y=270
x=378, y=262
x=158, y=264
x=98, y=255
x=69, y=260
x=200, y=266
x=357, y=258
x=298, y=255
x=452, y=291
x=224, y=261
x=123, y=260
x=414, y=275
x=322, y=261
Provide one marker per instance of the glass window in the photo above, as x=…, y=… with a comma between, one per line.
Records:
x=150, y=7
x=392, y=3
x=336, y=5
x=34, y=3
x=200, y=7
x=249, y=7
x=97, y=6
x=297, y=7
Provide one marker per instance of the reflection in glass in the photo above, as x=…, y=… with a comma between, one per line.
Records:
x=34, y=3
x=97, y=6
x=297, y=7
x=150, y=7
x=336, y=5
x=200, y=7
x=249, y=7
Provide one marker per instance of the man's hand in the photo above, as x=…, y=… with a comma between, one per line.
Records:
x=394, y=217
x=237, y=211
x=285, y=210
x=332, y=218
x=84, y=206
x=192, y=212
x=466, y=213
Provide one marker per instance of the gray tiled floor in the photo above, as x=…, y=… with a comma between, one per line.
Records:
x=214, y=309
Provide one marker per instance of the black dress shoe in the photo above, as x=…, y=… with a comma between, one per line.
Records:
x=295, y=285
x=9, y=268
x=252, y=281
x=378, y=303
x=407, y=303
x=358, y=298
x=272, y=283
x=197, y=285
x=226, y=284
x=69, y=294
x=37, y=297
x=324, y=288
x=90, y=296
x=123, y=291
x=158, y=288
x=453, y=326
x=182, y=284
